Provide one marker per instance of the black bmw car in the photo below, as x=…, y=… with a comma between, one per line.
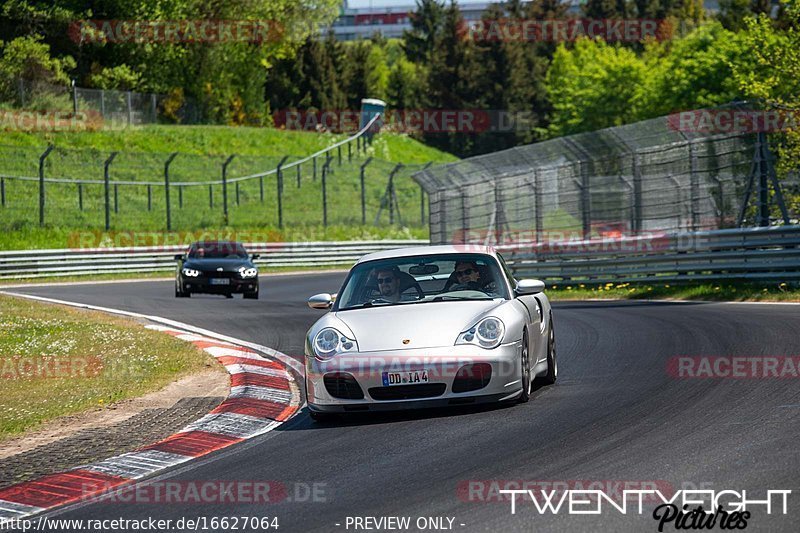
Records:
x=216, y=267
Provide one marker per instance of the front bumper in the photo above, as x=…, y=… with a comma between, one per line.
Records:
x=203, y=284
x=441, y=364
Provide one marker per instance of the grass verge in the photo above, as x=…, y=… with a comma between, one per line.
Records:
x=715, y=292
x=57, y=361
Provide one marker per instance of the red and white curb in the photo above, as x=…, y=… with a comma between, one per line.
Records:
x=263, y=395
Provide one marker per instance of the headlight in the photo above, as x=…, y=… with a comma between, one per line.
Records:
x=190, y=272
x=248, y=272
x=488, y=333
x=329, y=342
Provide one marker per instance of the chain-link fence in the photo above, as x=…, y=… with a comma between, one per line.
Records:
x=91, y=189
x=106, y=108
x=659, y=175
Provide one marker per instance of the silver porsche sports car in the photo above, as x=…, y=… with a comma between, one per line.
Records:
x=427, y=327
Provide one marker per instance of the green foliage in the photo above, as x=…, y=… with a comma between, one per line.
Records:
x=593, y=86
x=121, y=78
x=29, y=59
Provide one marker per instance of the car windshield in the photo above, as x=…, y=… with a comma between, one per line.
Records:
x=424, y=278
x=217, y=250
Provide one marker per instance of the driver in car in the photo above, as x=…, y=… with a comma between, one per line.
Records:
x=388, y=284
x=468, y=277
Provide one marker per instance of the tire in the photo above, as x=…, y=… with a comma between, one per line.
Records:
x=250, y=295
x=525, y=370
x=229, y=295
x=552, y=362
x=181, y=294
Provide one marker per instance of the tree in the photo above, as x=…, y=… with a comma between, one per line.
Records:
x=29, y=59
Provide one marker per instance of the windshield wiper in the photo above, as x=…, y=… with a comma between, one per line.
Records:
x=444, y=297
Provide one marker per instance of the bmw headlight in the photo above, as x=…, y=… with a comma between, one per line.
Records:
x=329, y=342
x=248, y=272
x=488, y=333
x=190, y=272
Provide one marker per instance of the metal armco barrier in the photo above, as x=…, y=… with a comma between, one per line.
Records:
x=755, y=254
x=77, y=262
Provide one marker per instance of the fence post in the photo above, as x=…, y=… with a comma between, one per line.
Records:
x=106, y=187
x=116, y=198
x=130, y=108
x=339, y=154
x=149, y=197
x=211, y=196
x=237, y=193
x=3, y=192
x=154, y=105
x=166, y=188
x=41, y=182
x=422, y=196
x=349, y=151
x=180, y=196
x=694, y=186
x=314, y=173
x=586, y=205
x=74, y=98
x=225, y=188
x=103, y=103
x=537, y=206
x=325, y=191
x=279, y=185
x=80, y=196
x=261, y=188
x=637, y=194
x=298, y=176
x=363, y=192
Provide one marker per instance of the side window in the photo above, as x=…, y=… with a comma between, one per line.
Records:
x=507, y=271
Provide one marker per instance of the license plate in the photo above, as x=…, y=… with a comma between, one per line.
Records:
x=220, y=281
x=405, y=378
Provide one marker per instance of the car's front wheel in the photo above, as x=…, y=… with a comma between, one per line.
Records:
x=552, y=363
x=250, y=295
x=181, y=294
x=525, y=370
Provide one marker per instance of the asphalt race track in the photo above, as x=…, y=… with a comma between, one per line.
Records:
x=615, y=415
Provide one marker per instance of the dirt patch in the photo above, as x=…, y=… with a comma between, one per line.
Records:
x=71, y=440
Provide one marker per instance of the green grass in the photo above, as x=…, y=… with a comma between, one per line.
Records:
x=56, y=361
x=221, y=140
x=719, y=292
x=80, y=155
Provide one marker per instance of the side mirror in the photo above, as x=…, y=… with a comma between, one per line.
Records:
x=255, y=256
x=529, y=286
x=179, y=257
x=321, y=301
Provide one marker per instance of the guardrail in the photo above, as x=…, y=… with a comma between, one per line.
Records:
x=755, y=254
x=79, y=262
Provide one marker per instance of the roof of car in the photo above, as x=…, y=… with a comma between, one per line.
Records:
x=429, y=250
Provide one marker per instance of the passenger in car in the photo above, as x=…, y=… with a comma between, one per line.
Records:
x=469, y=277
